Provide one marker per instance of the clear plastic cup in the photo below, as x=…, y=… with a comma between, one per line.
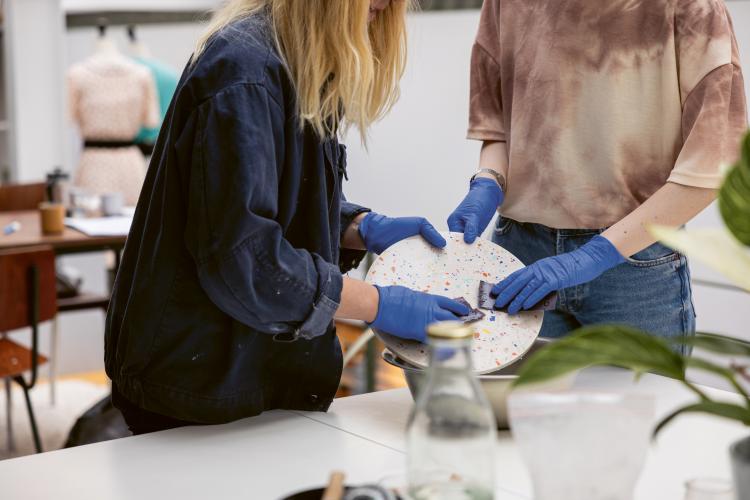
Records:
x=709, y=488
x=580, y=445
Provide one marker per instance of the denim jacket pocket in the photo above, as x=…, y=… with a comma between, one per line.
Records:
x=655, y=255
x=503, y=225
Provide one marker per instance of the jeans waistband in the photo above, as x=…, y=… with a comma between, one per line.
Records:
x=562, y=232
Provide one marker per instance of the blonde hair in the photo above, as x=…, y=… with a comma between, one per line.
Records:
x=345, y=71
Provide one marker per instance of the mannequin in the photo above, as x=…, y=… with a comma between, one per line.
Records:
x=111, y=98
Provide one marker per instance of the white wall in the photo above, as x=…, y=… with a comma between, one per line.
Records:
x=34, y=68
x=419, y=161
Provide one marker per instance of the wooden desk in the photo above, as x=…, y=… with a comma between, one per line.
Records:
x=70, y=241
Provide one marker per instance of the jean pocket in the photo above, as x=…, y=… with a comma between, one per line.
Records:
x=503, y=225
x=655, y=255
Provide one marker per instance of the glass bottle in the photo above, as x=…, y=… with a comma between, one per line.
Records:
x=451, y=432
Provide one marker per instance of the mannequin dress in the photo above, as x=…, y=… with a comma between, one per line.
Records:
x=111, y=98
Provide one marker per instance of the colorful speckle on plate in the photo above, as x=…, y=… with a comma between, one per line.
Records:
x=456, y=271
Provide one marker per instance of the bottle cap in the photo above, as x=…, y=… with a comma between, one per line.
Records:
x=449, y=330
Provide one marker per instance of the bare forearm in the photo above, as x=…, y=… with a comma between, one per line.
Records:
x=672, y=205
x=359, y=300
x=494, y=155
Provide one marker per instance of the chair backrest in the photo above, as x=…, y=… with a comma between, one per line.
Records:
x=22, y=196
x=16, y=286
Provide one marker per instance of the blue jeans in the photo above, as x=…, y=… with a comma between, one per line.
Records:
x=650, y=292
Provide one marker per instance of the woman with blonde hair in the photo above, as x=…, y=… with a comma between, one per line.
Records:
x=233, y=270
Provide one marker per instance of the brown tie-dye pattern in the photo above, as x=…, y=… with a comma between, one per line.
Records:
x=602, y=103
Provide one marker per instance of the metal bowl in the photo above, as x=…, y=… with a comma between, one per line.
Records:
x=496, y=385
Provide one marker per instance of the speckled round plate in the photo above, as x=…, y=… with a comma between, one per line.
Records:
x=455, y=271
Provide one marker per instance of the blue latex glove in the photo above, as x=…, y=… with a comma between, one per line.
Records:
x=379, y=232
x=405, y=313
x=477, y=209
x=526, y=287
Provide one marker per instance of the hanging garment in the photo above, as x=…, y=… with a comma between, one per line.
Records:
x=111, y=99
x=166, y=80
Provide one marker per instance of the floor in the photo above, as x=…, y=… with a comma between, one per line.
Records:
x=75, y=395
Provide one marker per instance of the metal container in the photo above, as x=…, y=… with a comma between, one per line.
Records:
x=496, y=385
x=740, y=455
x=58, y=187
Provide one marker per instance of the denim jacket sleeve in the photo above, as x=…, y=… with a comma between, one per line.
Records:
x=245, y=265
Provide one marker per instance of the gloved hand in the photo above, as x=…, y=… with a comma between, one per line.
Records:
x=379, y=232
x=477, y=209
x=526, y=287
x=405, y=313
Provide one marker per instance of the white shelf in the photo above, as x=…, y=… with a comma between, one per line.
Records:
x=89, y=6
x=88, y=13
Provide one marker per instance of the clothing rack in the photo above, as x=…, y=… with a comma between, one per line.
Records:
x=125, y=18
x=90, y=13
x=450, y=4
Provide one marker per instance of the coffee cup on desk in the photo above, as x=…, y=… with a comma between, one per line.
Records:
x=112, y=204
x=52, y=217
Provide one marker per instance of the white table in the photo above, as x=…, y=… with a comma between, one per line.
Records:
x=281, y=451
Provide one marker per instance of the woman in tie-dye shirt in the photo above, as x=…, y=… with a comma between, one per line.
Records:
x=598, y=119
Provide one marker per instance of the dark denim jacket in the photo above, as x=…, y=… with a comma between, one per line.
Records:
x=232, y=271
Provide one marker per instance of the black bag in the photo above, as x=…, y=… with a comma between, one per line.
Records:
x=102, y=422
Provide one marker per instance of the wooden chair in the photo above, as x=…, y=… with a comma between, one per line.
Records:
x=16, y=197
x=22, y=196
x=27, y=297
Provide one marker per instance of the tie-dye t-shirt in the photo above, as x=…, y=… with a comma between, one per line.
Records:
x=601, y=103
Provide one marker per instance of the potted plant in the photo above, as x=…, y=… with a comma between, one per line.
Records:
x=727, y=250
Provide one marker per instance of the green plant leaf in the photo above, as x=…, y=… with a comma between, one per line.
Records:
x=714, y=247
x=734, y=196
x=722, y=371
x=708, y=366
x=615, y=345
x=720, y=344
x=726, y=410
